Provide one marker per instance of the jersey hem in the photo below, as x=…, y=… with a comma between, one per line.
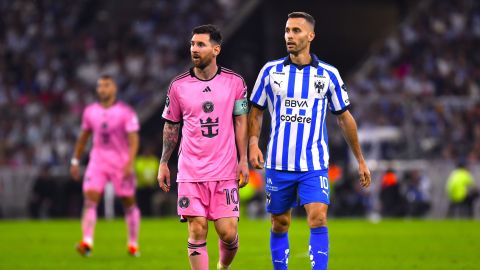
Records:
x=195, y=180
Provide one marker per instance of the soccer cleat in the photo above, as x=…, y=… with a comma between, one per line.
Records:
x=222, y=267
x=84, y=249
x=133, y=251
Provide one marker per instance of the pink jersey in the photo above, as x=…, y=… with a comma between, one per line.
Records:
x=110, y=128
x=207, y=150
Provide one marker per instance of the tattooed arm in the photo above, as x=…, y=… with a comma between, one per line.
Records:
x=170, y=139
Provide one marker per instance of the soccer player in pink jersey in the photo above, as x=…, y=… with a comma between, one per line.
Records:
x=211, y=102
x=114, y=126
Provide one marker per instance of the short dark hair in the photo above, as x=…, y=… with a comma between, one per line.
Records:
x=210, y=29
x=106, y=77
x=300, y=14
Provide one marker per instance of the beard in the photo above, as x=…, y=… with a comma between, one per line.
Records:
x=104, y=97
x=295, y=50
x=201, y=63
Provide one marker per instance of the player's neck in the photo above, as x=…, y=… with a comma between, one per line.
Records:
x=301, y=59
x=207, y=72
x=108, y=103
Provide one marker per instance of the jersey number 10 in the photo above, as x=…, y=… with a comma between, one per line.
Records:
x=323, y=182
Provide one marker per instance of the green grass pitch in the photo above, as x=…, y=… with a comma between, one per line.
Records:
x=355, y=244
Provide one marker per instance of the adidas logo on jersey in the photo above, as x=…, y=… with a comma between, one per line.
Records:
x=235, y=209
x=207, y=89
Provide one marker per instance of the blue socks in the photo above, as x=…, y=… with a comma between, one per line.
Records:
x=318, y=248
x=280, y=250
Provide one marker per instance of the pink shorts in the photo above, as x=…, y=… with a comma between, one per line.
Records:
x=95, y=180
x=211, y=199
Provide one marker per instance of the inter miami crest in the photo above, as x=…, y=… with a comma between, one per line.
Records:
x=319, y=86
x=184, y=202
x=208, y=107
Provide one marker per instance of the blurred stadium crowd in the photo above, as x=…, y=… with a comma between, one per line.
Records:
x=52, y=52
x=424, y=81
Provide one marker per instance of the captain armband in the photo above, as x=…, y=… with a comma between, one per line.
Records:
x=241, y=107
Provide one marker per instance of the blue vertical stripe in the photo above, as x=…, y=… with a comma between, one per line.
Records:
x=291, y=81
x=286, y=145
x=338, y=90
x=259, y=91
x=277, y=109
x=279, y=67
x=310, y=136
x=299, y=146
x=269, y=91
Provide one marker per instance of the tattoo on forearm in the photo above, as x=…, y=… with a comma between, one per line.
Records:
x=170, y=139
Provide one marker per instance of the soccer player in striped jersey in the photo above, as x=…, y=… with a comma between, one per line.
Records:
x=297, y=90
x=211, y=102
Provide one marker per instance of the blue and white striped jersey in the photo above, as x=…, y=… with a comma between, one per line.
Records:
x=297, y=99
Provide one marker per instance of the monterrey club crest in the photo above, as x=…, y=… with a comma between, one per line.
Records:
x=208, y=106
x=319, y=86
x=184, y=202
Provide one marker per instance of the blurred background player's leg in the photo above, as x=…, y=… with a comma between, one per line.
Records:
x=125, y=189
x=132, y=218
x=89, y=219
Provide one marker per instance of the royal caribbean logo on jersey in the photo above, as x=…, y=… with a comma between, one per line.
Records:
x=208, y=126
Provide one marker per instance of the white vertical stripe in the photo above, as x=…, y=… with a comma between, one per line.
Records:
x=324, y=145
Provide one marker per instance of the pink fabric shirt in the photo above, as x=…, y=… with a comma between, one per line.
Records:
x=110, y=128
x=207, y=149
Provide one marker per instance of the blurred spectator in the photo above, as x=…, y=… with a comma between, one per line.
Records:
x=42, y=197
x=417, y=193
x=252, y=196
x=461, y=191
x=146, y=168
x=392, y=201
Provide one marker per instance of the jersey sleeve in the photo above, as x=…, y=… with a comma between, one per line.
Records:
x=259, y=93
x=337, y=93
x=172, y=110
x=131, y=122
x=241, y=90
x=86, y=123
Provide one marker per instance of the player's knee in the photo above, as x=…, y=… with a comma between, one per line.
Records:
x=280, y=223
x=128, y=202
x=317, y=219
x=198, y=230
x=91, y=199
x=228, y=236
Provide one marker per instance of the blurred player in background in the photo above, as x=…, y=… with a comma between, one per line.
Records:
x=114, y=126
x=297, y=89
x=211, y=102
